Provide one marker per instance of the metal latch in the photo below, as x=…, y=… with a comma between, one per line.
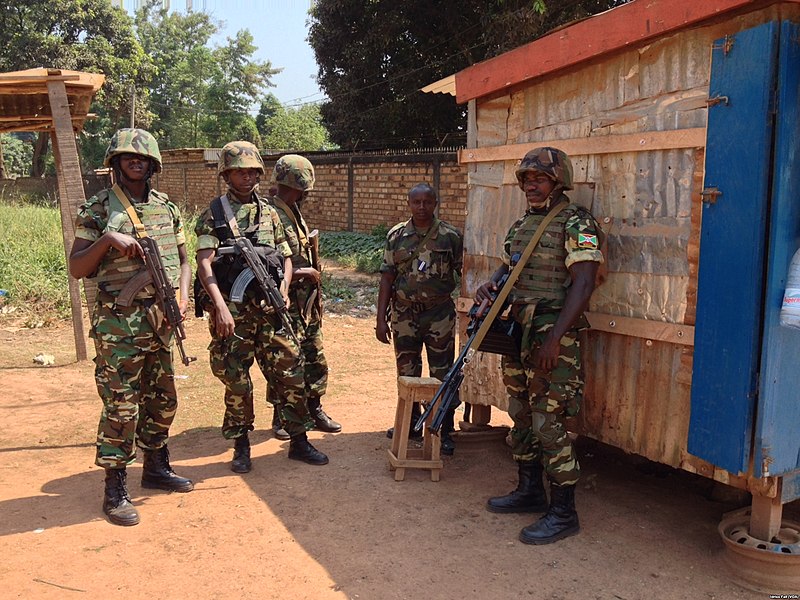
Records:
x=717, y=100
x=710, y=195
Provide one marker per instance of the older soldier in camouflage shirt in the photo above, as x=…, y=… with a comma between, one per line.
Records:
x=418, y=275
x=250, y=331
x=544, y=383
x=293, y=177
x=133, y=366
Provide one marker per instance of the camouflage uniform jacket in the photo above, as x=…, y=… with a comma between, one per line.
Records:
x=256, y=220
x=97, y=216
x=430, y=277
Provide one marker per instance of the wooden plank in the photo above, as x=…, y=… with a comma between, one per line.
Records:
x=624, y=27
x=39, y=78
x=601, y=144
x=70, y=193
x=765, y=517
x=43, y=118
x=673, y=333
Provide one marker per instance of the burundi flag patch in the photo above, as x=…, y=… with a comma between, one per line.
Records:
x=587, y=241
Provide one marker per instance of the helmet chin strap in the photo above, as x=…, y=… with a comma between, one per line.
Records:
x=545, y=204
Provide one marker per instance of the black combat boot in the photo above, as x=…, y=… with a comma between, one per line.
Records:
x=301, y=449
x=241, y=455
x=117, y=503
x=158, y=475
x=277, y=427
x=529, y=497
x=558, y=522
x=416, y=413
x=448, y=448
x=322, y=421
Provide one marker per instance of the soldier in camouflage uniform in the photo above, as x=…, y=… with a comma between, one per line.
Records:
x=544, y=383
x=418, y=275
x=133, y=366
x=251, y=331
x=293, y=178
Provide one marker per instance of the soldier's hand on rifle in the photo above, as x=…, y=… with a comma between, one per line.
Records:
x=486, y=294
x=307, y=273
x=383, y=332
x=126, y=244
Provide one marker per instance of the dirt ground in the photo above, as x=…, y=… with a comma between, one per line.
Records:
x=345, y=530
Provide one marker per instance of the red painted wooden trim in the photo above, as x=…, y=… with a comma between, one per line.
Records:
x=612, y=30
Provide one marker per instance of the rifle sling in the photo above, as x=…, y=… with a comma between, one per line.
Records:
x=141, y=232
x=410, y=260
x=497, y=305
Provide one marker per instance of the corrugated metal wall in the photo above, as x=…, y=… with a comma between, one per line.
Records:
x=638, y=389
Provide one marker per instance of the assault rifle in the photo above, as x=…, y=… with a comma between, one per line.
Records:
x=165, y=293
x=240, y=245
x=448, y=390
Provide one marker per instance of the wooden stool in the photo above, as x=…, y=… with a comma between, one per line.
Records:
x=401, y=457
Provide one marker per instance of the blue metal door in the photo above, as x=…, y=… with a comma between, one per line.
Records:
x=731, y=275
x=777, y=439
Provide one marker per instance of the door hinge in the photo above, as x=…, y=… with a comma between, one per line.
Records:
x=710, y=195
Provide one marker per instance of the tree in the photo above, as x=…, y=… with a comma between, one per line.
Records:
x=200, y=95
x=285, y=128
x=15, y=156
x=374, y=55
x=84, y=35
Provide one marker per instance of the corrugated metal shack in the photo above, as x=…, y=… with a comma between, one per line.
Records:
x=628, y=94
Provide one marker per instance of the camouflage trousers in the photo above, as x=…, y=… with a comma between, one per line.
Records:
x=134, y=376
x=258, y=338
x=433, y=328
x=315, y=365
x=540, y=401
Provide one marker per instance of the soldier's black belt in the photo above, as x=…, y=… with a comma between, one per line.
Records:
x=422, y=305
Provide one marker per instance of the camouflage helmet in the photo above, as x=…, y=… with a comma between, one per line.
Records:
x=133, y=141
x=551, y=161
x=239, y=155
x=294, y=171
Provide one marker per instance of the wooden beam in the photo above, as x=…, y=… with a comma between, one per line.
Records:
x=600, y=144
x=765, y=517
x=41, y=78
x=70, y=194
x=673, y=333
x=37, y=118
x=627, y=26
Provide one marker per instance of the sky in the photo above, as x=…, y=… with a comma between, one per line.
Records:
x=279, y=30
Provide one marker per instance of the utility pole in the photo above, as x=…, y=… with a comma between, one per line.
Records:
x=133, y=105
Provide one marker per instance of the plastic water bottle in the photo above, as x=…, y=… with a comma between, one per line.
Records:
x=790, y=309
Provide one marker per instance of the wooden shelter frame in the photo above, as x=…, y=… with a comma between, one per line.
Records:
x=57, y=102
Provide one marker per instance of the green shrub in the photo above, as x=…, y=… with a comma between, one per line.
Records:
x=360, y=251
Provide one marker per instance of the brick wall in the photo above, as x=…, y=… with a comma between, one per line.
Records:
x=352, y=192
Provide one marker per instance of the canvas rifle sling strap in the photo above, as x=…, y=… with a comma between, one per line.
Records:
x=497, y=305
x=141, y=232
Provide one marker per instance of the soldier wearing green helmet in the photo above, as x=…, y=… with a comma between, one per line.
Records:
x=250, y=331
x=293, y=178
x=544, y=382
x=133, y=341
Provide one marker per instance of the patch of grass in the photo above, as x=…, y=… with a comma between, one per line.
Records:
x=33, y=265
x=360, y=251
x=33, y=269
